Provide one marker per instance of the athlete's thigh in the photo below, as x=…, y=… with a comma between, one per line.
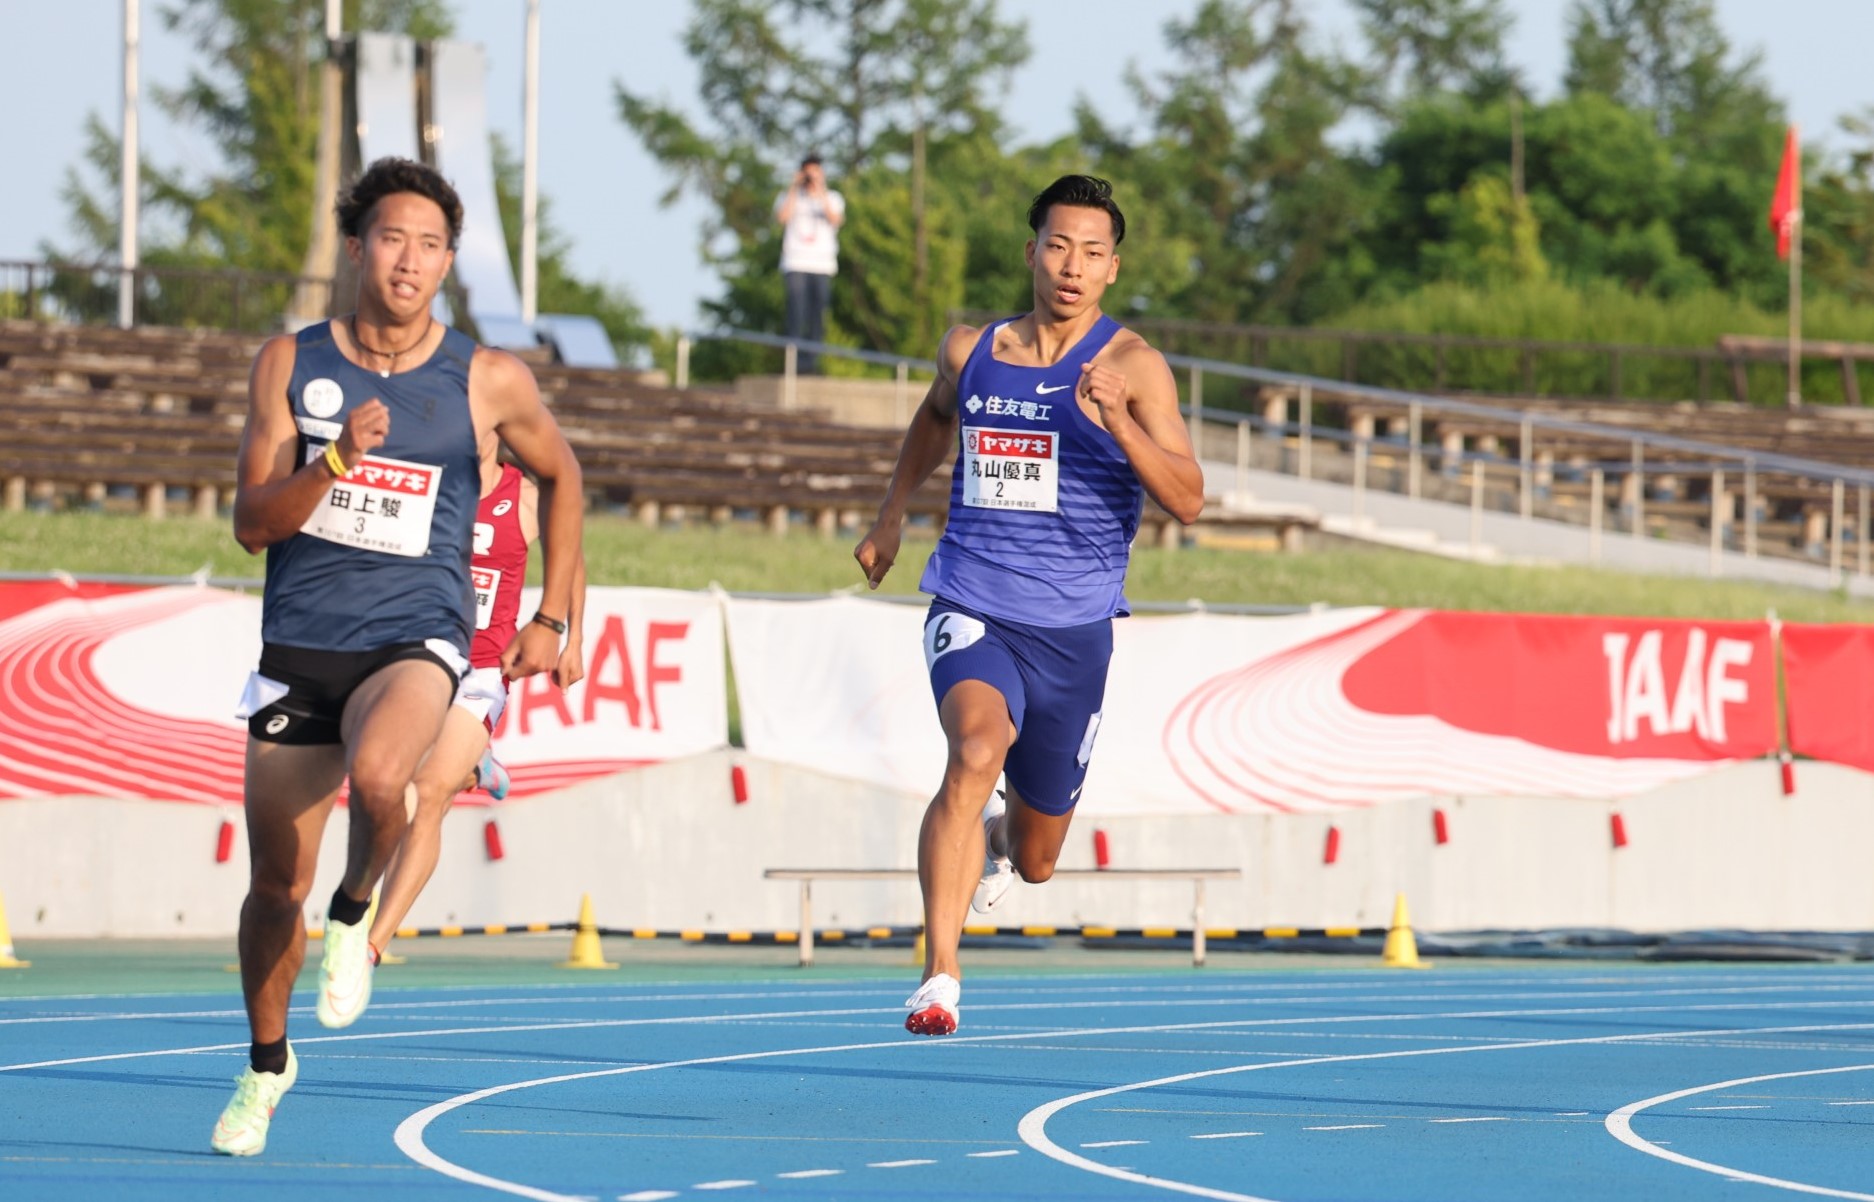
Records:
x=1035, y=830
x=288, y=793
x=394, y=717
x=456, y=752
x=1066, y=696
x=961, y=648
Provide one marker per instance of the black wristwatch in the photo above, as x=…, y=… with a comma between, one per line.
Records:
x=553, y=624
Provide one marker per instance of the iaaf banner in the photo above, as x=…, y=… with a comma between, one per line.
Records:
x=131, y=693
x=1351, y=707
x=1829, y=686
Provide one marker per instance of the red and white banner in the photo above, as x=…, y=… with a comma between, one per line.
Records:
x=131, y=693
x=1830, y=703
x=1353, y=707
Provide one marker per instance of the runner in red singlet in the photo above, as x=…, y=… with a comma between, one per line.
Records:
x=506, y=525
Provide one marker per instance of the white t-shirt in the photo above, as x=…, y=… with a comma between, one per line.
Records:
x=810, y=240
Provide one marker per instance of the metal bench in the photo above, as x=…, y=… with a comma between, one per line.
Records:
x=1197, y=877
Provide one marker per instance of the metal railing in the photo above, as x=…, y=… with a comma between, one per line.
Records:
x=1289, y=404
x=251, y=302
x=1514, y=366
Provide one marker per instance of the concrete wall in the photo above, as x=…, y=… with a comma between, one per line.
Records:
x=668, y=847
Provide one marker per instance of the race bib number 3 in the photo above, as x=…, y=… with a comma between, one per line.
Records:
x=384, y=505
x=1011, y=469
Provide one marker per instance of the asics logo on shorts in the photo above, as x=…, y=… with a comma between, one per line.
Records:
x=277, y=723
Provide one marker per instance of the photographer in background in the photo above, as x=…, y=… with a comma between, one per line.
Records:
x=810, y=214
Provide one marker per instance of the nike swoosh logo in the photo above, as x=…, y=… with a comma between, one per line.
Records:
x=1044, y=390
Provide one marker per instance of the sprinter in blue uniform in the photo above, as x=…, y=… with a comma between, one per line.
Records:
x=359, y=475
x=1062, y=422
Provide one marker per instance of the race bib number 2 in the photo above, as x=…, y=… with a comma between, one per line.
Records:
x=1011, y=469
x=384, y=505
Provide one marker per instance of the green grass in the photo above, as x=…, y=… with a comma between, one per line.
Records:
x=746, y=560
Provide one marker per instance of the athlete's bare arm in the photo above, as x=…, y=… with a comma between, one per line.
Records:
x=927, y=443
x=570, y=668
x=273, y=495
x=1138, y=402
x=506, y=400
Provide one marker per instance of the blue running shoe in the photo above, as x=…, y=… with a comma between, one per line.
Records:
x=491, y=777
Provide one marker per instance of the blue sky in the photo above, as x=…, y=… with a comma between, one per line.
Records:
x=64, y=62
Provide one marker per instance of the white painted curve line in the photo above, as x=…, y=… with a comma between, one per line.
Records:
x=804, y=1174
x=1619, y=1124
x=409, y=1133
x=1033, y=1125
x=897, y=1164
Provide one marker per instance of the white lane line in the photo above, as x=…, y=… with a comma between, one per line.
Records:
x=1114, y=1143
x=897, y=1164
x=1347, y=1127
x=1227, y=1135
x=1144, y=998
x=1495, y=1118
x=1727, y=1108
x=1572, y=1114
x=736, y=1183
x=1620, y=1125
x=1851, y=1103
x=803, y=1174
x=1004, y=1152
x=1033, y=1125
x=1224, y=1026
x=648, y=1195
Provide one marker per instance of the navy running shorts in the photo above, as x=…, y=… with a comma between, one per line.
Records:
x=1054, y=680
x=298, y=696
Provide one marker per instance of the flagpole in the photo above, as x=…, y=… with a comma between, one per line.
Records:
x=1795, y=289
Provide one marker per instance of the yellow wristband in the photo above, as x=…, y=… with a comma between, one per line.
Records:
x=335, y=461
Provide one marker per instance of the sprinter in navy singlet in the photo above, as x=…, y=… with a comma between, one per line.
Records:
x=359, y=474
x=1062, y=422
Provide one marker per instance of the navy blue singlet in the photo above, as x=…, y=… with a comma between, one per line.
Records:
x=385, y=558
x=1043, y=503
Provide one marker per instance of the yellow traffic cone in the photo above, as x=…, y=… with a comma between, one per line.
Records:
x=1402, y=949
x=7, y=958
x=586, y=951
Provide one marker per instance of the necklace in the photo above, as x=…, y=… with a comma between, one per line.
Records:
x=391, y=355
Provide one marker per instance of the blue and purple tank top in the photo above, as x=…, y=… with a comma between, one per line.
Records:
x=1043, y=503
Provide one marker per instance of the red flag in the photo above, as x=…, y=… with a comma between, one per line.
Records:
x=1786, y=204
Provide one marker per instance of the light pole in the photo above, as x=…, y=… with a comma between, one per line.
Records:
x=127, y=209
x=530, y=168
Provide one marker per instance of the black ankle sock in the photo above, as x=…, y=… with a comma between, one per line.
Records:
x=347, y=911
x=268, y=1057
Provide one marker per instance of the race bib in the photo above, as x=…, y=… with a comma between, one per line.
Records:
x=1011, y=469
x=383, y=505
x=487, y=582
x=949, y=632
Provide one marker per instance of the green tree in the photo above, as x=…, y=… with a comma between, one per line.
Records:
x=1669, y=60
x=1247, y=186
x=1419, y=47
x=903, y=118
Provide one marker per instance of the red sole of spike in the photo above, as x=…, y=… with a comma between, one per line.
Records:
x=932, y=1020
